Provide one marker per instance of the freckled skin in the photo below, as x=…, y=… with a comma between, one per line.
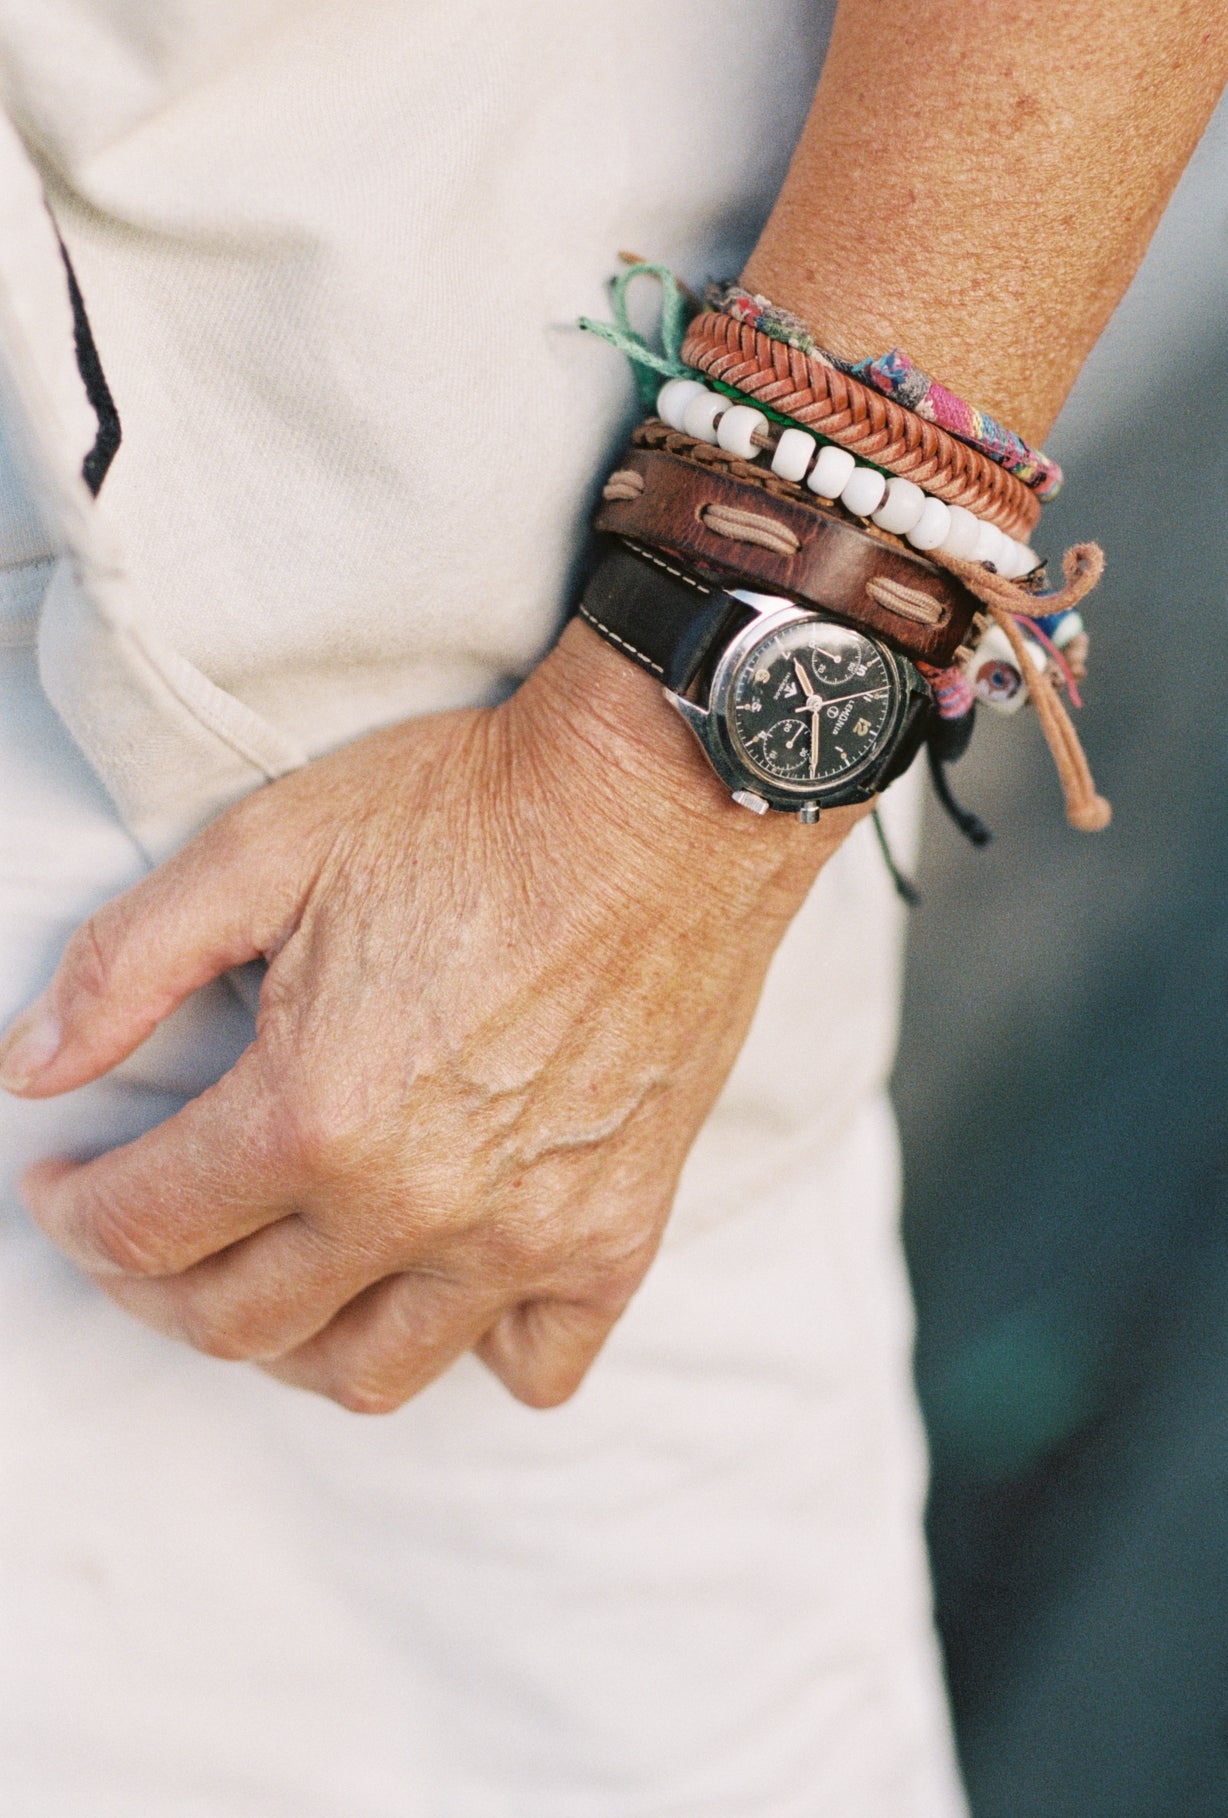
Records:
x=1014, y=153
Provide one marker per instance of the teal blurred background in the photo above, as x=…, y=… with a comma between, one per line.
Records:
x=1063, y=1090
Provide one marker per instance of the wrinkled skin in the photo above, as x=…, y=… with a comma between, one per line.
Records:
x=513, y=954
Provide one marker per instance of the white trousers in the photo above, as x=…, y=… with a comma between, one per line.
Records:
x=699, y=1588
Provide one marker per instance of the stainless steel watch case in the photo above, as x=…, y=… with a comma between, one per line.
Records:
x=712, y=721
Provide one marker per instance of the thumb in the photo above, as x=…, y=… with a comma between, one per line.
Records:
x=233, y=894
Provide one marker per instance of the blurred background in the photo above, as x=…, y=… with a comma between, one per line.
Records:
x=1063, y=1089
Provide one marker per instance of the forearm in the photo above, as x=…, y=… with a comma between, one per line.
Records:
x=978, y=180
x=976, y=183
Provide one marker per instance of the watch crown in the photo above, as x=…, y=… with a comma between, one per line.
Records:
x=746, y=798
x=808, y=813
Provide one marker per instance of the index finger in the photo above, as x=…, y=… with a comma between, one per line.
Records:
x=211, y=1174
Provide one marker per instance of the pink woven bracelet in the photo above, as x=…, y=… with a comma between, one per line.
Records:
x=900, y=379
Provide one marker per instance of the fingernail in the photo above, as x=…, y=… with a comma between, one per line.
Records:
x=30, y=1045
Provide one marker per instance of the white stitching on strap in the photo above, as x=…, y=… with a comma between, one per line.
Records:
x=621, y=642
x=658, y=563
x=639, y=655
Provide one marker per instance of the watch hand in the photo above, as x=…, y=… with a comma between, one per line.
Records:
x=814, y=743
x=866, y=694
x=808, y=687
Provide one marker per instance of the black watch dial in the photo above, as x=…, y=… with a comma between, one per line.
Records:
x=811, y=704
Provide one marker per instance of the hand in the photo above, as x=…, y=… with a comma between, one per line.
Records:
x=512, y=956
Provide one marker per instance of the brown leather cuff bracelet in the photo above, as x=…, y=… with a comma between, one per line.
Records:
x=840, y=407
x=745, y=536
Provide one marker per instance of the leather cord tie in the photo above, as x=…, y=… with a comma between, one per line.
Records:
x=623, y=485
x=749, y=527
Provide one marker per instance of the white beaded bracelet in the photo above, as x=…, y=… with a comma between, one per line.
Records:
x=896, y=504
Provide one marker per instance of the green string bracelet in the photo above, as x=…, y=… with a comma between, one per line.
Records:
x=651, y=367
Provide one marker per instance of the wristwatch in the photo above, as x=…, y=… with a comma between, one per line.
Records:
x=795, y=711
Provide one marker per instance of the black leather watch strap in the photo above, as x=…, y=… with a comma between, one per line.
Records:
x=664, y=619
x=670, y=622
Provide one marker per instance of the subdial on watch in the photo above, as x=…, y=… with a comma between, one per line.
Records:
x=833, y=665
x=783, y=748
x=812, y=702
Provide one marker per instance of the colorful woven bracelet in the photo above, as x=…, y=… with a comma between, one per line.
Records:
x=842, y=409
x=881, y=432
x=899, y=378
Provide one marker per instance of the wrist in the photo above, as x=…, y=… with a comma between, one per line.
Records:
x=599, y=700
x=599, y=720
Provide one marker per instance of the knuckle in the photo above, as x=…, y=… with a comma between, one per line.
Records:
x=228, y=840
x=544, y=1386
x=618, y=1279
x=416, y=1326
x=91, y=957
x=327, y=1131
x=513, y=1253
x=609, y=1272
x=121, y=1238
x=219, y=1329
x=216, y=1336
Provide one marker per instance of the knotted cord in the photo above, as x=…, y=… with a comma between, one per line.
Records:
x=1006, y=603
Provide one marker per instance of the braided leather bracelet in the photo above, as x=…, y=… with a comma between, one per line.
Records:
x=841, y=408
x=718, y=523
x=900, y=378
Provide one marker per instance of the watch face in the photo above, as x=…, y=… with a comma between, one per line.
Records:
x=811, y=703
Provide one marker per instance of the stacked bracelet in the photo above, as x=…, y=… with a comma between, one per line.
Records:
x=900, y=378
x=843, y=410
x=893, y=502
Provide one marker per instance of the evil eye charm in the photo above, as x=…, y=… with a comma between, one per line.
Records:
x=994, y=672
